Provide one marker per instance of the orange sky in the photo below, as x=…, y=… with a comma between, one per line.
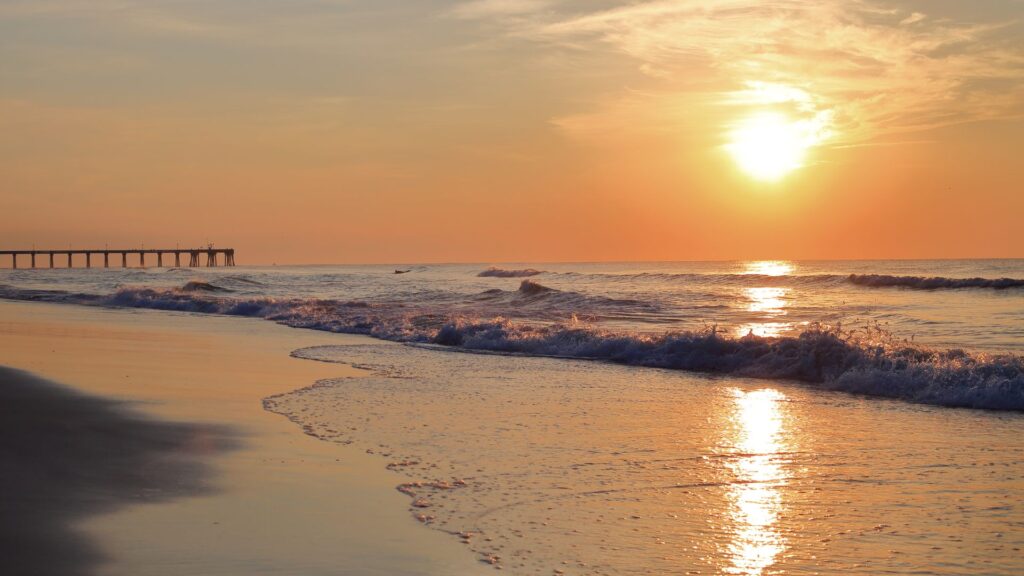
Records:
x=315, y=131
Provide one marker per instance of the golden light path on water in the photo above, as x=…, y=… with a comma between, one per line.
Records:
x=754, y=497
x=768, y=302
x=769, y=267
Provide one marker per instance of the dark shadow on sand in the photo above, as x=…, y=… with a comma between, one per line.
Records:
x=65, y=455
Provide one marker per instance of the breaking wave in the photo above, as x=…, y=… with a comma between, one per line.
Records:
x=865, y=362
x=200, y=286
x=871, y=364
x=493, y=272
x=536, y=301
x=932, y=283
x=531, y=288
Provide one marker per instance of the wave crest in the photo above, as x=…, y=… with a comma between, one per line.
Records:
x=531, y=288
x=932, y=283
x=865, y=362
x=493, y=272
x=824, y=356
x=200, y=286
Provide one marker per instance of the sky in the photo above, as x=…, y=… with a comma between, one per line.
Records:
x=335, y=131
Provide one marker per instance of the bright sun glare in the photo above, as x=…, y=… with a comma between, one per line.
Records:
x=770, y=145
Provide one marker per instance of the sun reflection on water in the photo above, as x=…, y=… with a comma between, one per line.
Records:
x=769, y=303
x=769, y=267
x=755, y=498
x=767, y=299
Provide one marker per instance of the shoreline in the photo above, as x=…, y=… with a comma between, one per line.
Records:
x=280, y=502
x=866, y=360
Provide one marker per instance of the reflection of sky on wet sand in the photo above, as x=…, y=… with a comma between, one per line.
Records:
x=756, y=502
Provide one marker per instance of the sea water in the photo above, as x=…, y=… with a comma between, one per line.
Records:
x=939, y=332
x=735, y=417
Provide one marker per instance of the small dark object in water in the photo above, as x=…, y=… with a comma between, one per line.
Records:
x=403, y=271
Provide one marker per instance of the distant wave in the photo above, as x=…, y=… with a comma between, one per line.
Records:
x=535, y=300
x=526, y=288
x=244, y=280
x=713, y=279
x=862, y=280
x=932, y=283
x=500, y=273
x=864, y=363
x=531, y=288
x=200, y=286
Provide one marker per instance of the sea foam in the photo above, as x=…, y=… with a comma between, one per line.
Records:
x=864, y=362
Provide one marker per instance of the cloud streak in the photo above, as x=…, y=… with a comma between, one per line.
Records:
x=482, y=9
x=879, y=67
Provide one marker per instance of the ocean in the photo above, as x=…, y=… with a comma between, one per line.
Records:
x=946, y=332
x=691, y=418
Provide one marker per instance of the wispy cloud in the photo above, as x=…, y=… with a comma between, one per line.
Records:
x=878, y=67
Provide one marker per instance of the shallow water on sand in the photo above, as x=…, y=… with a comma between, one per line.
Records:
x=548, y=466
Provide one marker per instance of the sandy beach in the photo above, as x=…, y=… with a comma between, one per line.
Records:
x=143, y=449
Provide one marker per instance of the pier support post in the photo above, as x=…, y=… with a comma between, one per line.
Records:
x=69, y=259
x=51, y=259
x=14, y=261
x=142, y=259
x=33, y=259
x=124, y=259
x=88, y=260
x=106, y=259
x=159, y=259
x=177, y=259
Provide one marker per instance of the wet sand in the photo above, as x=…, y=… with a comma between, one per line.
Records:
x=155, y=456
x=65, y=455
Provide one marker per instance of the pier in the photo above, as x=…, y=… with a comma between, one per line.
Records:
x=196, y=257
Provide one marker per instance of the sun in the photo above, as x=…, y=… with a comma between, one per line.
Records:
x=769, y=145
